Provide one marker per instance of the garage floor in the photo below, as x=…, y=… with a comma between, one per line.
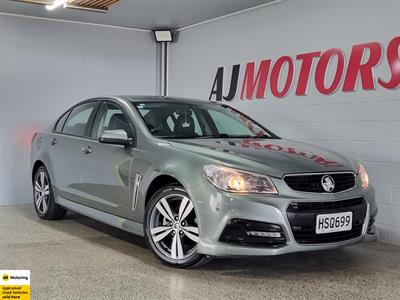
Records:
x=79, y=258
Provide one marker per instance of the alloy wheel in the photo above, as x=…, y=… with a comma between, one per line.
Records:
x=42, y=192
x=173, y=227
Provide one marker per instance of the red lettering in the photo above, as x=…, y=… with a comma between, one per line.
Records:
x=274, y=147
x=305, y=69
x=276, y=73
x=246, y=143
x=364, y=58
x=394, y=64
x=327, y=163
x=356, y=66
x=257, y=145
x=250, y=84
x=295, y=152
x=320, y=72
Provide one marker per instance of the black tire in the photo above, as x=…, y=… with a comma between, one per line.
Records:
x=193, y=259
x=49, y=210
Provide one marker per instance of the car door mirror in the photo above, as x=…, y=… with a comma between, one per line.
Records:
x=115, y=137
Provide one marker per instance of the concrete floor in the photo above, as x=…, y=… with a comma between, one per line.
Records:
x=79, y=258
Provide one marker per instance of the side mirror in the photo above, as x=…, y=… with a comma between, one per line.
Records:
x=115, y=137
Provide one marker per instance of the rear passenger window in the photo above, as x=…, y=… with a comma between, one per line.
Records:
x=78, y=119
x=61, y=121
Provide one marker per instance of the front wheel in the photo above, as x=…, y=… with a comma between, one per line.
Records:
x=171, y=228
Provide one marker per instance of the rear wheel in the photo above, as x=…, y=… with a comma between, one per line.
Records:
x=43, y=197
x=171, y=228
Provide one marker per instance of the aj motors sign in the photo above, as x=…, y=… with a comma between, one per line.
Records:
x=277, y=77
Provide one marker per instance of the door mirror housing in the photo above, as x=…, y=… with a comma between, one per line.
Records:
x=115, y=137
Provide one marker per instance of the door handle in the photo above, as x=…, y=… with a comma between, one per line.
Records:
x=87, y=150
x=53, y=141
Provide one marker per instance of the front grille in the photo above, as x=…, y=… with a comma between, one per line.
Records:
x=312, y=182
x=302, y=218
x=237, y=232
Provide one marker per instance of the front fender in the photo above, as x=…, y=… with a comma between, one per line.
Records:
x=185, y=168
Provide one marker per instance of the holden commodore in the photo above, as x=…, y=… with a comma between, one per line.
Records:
x=198, y=180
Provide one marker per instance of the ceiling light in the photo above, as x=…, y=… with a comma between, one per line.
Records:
x=56, y=3
x=163, y=36
x=87, y=5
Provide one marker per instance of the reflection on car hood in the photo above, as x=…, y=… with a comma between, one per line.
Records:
x=279, y=156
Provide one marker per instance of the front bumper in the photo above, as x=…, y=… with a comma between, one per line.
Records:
x=216, y=208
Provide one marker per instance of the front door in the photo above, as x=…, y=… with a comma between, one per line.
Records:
x=105, y=169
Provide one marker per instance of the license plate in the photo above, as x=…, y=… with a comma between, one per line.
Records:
x=334, y=222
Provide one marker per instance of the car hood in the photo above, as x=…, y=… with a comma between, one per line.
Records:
x=274, y=157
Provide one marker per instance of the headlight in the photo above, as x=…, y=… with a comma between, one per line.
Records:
x=362, y=173
x=237, y=181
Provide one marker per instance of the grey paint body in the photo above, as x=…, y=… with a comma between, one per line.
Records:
x=104, y=183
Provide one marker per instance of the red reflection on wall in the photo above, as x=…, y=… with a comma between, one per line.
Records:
x=25, y=136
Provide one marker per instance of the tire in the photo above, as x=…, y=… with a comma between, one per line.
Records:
x=171, y=229
x=43, y=197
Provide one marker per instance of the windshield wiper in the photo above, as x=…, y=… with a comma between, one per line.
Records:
x=214, y=136
x=231, y=136
x=259, y=137
x=211, y=136
x=176, y=137
x=217, y=136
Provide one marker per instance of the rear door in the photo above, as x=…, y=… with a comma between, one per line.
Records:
x=65, y=147
x=105, y=169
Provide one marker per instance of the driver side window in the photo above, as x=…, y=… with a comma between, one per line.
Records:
x=110, y=117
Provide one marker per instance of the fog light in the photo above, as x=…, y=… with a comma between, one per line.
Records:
x=264, y=234
x=250, y=233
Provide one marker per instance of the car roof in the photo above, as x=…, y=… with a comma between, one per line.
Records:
x=164, y=99
x=146, y=98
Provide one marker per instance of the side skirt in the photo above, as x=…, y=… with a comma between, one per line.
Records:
x=121, y=223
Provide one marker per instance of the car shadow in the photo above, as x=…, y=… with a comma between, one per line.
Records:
x=303, y=262
x=107, y=229
x=343, y=259
x=312, y=262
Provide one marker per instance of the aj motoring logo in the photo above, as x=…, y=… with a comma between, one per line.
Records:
x=279, y=75
x=5, y=277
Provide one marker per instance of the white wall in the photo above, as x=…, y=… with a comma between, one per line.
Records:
x=47, y=66
x=363, y=124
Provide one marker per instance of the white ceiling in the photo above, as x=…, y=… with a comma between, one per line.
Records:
x=145, y=14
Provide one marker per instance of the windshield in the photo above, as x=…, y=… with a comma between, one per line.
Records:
x=187, y=120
